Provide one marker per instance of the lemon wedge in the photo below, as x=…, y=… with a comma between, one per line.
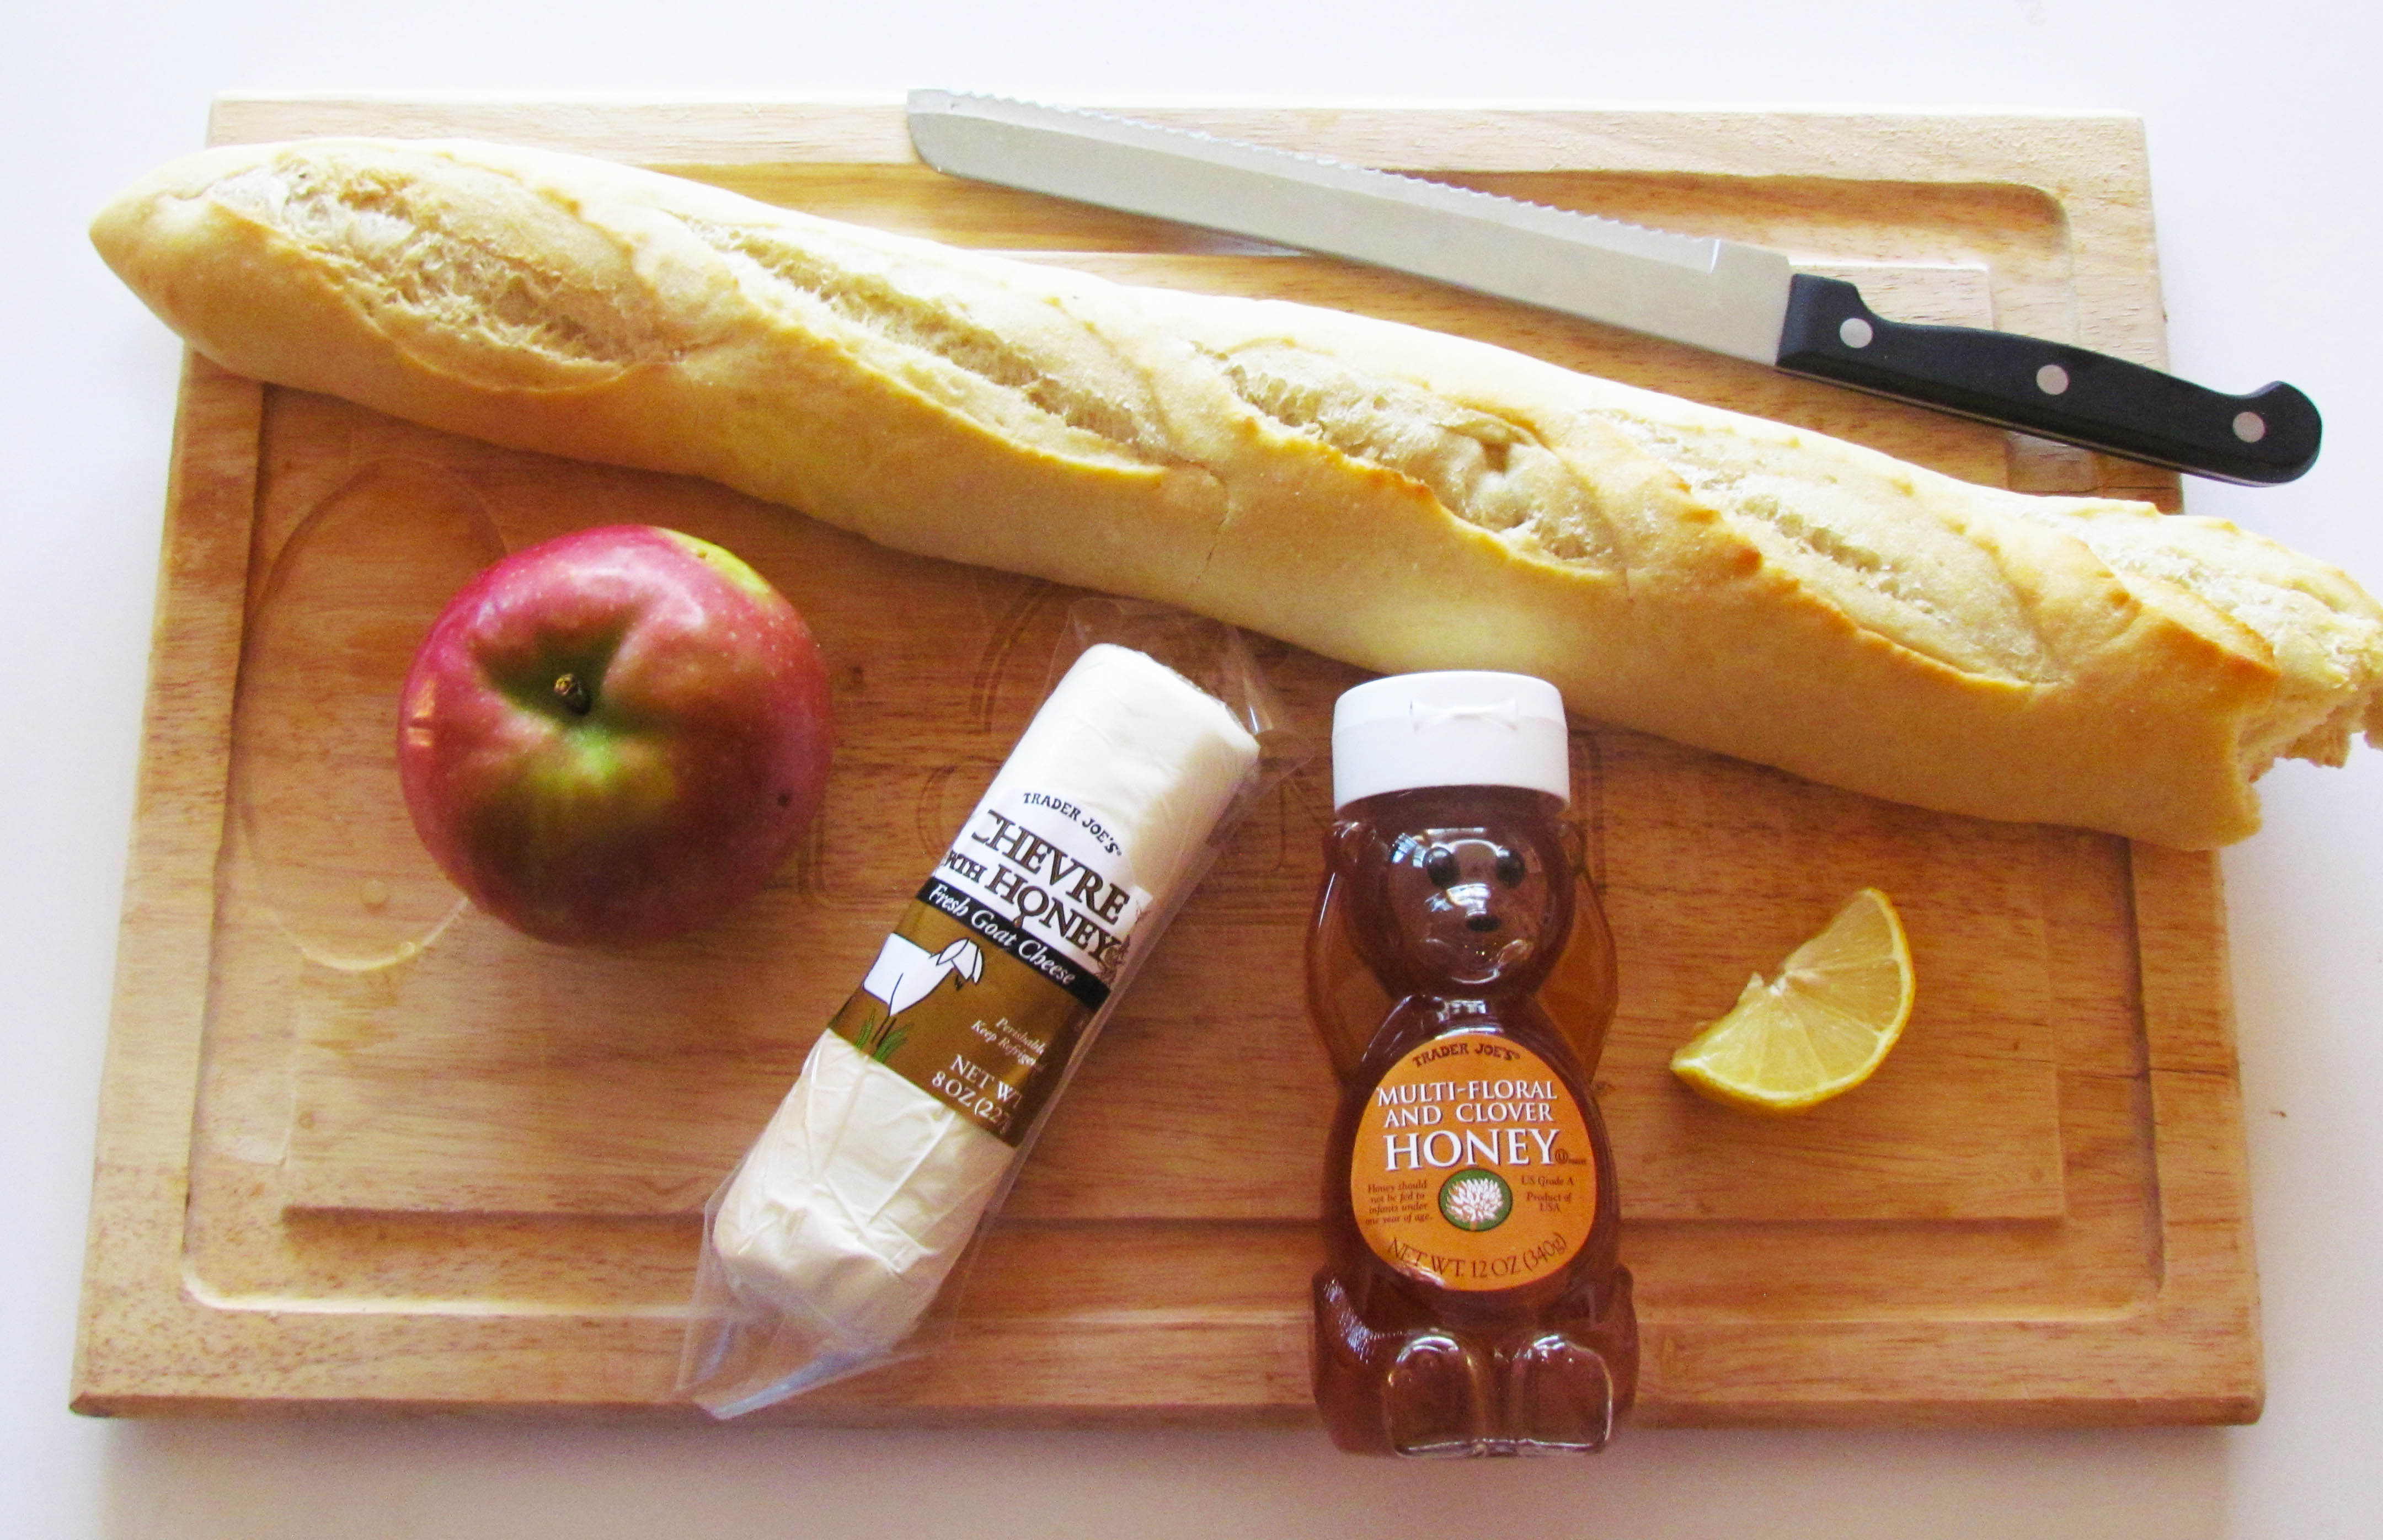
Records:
x=1819, y=1029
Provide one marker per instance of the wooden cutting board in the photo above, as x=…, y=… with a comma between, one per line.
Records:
x=361, y=1146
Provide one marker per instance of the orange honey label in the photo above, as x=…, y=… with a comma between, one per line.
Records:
x=1473, y=1168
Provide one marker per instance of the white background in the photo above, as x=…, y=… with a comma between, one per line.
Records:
x=2264, y=154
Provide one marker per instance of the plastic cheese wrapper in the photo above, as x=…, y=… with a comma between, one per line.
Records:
x=826, y=1248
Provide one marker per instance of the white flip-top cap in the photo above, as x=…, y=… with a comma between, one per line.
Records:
x=1454, y=729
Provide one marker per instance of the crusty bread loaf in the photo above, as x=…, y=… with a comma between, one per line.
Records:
x=1392, y=497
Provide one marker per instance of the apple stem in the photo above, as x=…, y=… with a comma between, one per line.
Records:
x=573, y=695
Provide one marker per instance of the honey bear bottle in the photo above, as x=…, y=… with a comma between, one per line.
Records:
x=1471, y=1300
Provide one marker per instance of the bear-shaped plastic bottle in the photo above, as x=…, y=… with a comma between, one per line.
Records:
x=1472, y=1300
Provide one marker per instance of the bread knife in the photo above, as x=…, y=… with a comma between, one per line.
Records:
x=1730, y=298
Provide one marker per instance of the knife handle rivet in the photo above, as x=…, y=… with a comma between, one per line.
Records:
x=2250, y=428
x=2051, y=379
x=1855, y=332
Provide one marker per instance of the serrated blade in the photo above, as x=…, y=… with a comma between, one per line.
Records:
x=1720, y=295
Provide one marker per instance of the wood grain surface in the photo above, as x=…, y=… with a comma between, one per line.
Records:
x=363, y=1147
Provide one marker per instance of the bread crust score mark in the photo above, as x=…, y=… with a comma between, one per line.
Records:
x=1392, y=497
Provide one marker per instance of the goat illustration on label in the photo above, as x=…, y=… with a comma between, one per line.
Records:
x=906, y=973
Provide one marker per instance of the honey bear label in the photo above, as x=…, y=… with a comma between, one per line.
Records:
x=1473, y=1168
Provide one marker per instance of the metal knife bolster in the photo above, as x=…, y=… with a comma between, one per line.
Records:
x=2055, y=391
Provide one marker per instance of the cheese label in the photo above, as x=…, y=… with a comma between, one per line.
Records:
x=980, y=994
x=1473, y=1168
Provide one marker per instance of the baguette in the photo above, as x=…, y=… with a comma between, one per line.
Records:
x=1383, y=495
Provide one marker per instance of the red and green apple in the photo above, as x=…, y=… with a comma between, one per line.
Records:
x=614, y=736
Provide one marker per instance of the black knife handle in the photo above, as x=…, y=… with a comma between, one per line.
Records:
x=2047, y=389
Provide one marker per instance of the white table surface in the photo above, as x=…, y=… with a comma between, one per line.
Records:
x=2263, y=158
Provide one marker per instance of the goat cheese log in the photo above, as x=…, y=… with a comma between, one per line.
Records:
x=849, y=1211
x=1387, y=496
